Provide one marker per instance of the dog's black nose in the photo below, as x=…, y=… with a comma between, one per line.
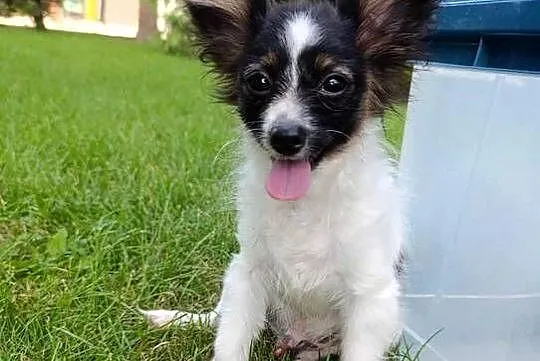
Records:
x=288, y=139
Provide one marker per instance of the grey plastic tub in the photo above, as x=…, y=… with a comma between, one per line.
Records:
x=471, y=159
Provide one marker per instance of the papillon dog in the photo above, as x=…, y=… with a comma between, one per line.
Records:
x=321, y=223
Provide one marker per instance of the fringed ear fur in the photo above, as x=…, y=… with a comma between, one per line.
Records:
x=222, y=29
x=390, y=33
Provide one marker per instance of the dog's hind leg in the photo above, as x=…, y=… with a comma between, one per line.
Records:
x=163, y=318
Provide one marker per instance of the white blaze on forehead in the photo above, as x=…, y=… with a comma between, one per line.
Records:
x=300, y=33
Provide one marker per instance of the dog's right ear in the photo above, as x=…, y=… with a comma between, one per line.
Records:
x=390, y=33
x=223, y=28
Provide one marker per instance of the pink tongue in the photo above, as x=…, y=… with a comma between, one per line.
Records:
x=289, y=180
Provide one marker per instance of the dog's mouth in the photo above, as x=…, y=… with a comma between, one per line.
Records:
x=289, y=180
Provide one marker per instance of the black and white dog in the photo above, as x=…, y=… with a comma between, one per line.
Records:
x=320, y=219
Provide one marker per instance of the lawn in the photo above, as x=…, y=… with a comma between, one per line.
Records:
x=113, y=166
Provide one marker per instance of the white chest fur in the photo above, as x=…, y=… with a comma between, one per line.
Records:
x=322, y=265
x=342, y=238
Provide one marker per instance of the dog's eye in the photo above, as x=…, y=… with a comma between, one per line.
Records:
x=334, y=84
x=259, y=83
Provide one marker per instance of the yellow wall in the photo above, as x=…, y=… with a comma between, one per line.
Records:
x=92, y=9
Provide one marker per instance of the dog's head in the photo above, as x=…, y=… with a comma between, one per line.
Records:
x=304, y=74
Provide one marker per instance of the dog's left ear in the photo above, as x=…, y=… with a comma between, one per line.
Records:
x=223, y=28
x=389, y=33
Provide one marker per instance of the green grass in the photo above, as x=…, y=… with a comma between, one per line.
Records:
x=111, y=198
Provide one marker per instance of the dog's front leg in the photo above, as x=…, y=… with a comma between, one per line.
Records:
x=242, y=312
x=371, y=324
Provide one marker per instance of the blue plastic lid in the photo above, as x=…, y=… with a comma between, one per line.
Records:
x=501, y=34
